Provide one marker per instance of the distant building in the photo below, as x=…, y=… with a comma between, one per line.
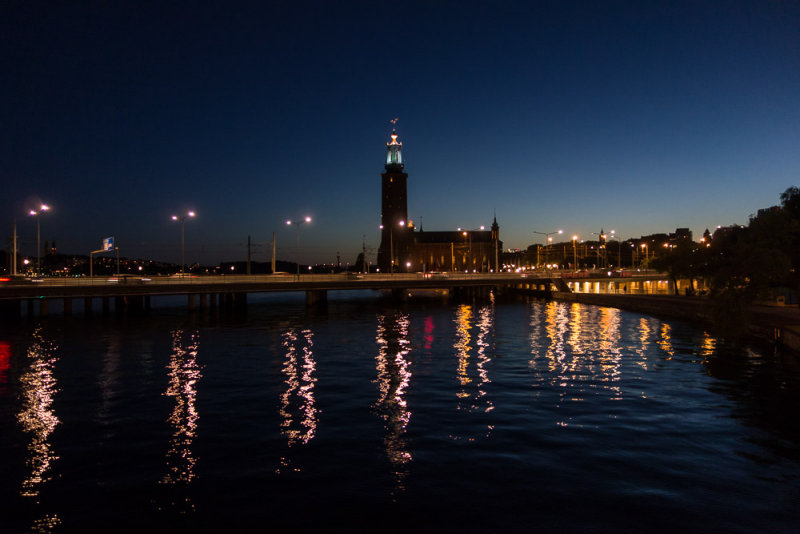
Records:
x=404, y=249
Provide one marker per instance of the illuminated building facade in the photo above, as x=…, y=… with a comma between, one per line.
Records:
x=404, y=249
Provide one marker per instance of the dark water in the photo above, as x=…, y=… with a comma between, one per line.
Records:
x=488, y=417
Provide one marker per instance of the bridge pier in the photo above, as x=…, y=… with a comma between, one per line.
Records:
x=67, y=306
x=190, y=301
x=10, y=310
x=87, y=305
x=240, y=302
x=44, y=307
x=106, y=305
x=316, y=297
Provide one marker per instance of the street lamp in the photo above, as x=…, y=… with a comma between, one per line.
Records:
x=548, y=240
x=574, y=252
x=297, y=249
x=469, y=250
x=182, y=219
x=36, y=213
x=391, y=245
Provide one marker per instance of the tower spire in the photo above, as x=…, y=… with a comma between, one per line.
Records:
x=394, y=155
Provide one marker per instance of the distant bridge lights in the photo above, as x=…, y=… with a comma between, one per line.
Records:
x=182, y=219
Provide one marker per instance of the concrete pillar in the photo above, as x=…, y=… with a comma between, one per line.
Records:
x=43, y=307
x=10, y=310
x=119, y=304
x=106, y=306
x=400, y=295
x=67, y=306
x=87, y=305
x=240, y=301
x=190, y=301
x=213, y=301
x=203, y=301
x=30, y=307
x=320, y=296
x=147, y=302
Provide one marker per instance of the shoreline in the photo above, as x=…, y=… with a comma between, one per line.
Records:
x=779, y=325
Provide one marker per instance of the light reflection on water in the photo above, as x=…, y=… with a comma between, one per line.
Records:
x=474, y=350
x=298, y=409
x=184, y=373
x=37, y=417
x=394, y=375
x=518, y=410
x=38, y=420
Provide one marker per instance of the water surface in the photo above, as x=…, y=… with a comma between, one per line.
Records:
x=367, y=417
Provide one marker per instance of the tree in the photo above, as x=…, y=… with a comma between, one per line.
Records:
x=684, y=260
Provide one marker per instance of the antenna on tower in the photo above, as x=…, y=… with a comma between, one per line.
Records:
x=394, y=123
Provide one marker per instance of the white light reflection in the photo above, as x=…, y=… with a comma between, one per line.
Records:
x=37, y=417
x=394, y=377
x=184, y=373
x=298, y=408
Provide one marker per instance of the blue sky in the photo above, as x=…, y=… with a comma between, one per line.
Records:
x=575, y=115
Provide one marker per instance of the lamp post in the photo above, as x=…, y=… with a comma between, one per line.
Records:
x=468, y=233
x=182, y=219
x=619, y=249
x=297, y=247
x=391, y=244
x=548, y=239
x=574, y=252
x=36, y=213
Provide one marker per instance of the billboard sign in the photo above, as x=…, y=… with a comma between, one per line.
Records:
x=108, y=243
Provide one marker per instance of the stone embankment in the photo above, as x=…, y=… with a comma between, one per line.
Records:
x=776, y=324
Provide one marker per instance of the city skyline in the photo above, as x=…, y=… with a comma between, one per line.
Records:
x=640, y=119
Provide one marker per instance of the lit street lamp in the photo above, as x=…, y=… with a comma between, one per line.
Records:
x=391, y=245
x=182, y=219
x=469, y=248
x=574, y=252
x=548, y=240
x=297, y=249
x=36, y=213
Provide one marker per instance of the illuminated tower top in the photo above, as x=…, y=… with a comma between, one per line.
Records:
x=394, y=155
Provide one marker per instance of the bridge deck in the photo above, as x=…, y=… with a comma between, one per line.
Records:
x=182, y=285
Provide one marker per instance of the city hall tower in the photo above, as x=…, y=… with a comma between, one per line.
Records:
x=394, y=209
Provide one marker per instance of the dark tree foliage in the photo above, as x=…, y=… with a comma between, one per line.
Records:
x=745, y=263
x=742, y=263
x=684, y=260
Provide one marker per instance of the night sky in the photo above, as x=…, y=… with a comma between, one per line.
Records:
x=580, y=116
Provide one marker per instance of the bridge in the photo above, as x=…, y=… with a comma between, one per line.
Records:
x=135, y=292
